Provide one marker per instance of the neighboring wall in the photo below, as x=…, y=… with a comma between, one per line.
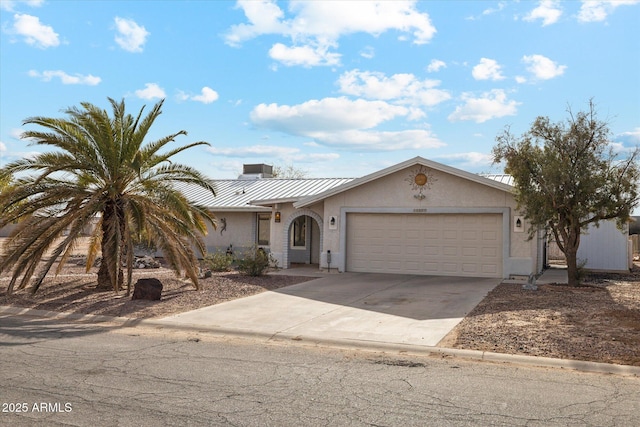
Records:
x=605, y=247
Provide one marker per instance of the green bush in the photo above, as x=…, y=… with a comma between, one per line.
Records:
x=255, y=261
x=218, y=261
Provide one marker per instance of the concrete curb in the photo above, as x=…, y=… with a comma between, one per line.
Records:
x=407, y=349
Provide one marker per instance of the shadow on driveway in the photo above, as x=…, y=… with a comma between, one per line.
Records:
x=388, y=308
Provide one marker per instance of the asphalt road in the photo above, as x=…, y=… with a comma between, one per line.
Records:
x=54, y=373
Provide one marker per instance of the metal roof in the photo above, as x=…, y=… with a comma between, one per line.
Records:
x=256, y=194
x=250, y=194
x=503, y=178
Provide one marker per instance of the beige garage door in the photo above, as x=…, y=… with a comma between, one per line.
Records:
x=438, y=244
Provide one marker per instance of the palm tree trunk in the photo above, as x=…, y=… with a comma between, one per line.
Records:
x=105, y=282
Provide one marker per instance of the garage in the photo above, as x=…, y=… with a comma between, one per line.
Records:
x=430, y=244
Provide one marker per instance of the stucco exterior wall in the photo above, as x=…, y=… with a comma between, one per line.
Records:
x=447, y=192
x=240, y=231
x=279, y=246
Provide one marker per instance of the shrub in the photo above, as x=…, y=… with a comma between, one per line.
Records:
x=218, y=261
x=255, y=261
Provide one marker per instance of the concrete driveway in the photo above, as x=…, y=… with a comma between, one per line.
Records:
x=376, y=308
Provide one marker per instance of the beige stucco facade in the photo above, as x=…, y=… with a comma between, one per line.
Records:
x=446, y=194
x=448, y=191
x=236, y=229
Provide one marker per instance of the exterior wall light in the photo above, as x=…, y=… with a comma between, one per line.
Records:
x=277, y=217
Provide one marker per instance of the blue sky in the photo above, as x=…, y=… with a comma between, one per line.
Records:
x=337, y=89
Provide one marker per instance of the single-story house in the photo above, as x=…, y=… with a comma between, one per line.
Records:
x=418, y=217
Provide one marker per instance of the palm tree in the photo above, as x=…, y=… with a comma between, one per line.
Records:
x=101, y=170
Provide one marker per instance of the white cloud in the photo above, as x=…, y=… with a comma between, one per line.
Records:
x=326, y=114
x=207, y=96
x=16, y=133
x=489, y=106
x=368, y=52
x=634, y=135
x=9, y=5
x=435, y=65
x=547, y=10
x=331, y=20
x=288, y=154
x=254, y=150
x=343, y=123
x=542, y=67
x=131, y=36
x=595, y=11
x=404, y=88
x=470, y=160
x=34, y=32
x=315, y=27
x=315, y=157
x=306, y=56
x=489, y=11
x=487, y=69
x=3, y=147
x=264, y=17
x=150, y=91
x=358, y=140
x=67, y=79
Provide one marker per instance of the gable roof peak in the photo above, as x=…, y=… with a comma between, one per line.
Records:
x=418, y=160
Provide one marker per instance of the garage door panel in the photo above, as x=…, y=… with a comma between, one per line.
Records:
x=468, y=251
x=413, y=250
x=489, y=269
x=450, y=244
x=470, y=268
x=450, y=234
x=430, y=234
x=469, y=235
x=489, y=252
x=489, y=235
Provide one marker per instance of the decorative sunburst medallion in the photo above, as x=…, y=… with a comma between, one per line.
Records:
x=420, y=180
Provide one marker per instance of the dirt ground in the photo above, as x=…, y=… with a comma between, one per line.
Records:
x=599, y=322
x=73, y=290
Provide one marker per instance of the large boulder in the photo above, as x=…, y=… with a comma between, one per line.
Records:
x=147, y=288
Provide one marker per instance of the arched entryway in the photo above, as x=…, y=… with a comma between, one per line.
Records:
x=303, y=238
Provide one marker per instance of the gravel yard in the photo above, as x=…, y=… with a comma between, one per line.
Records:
x=599, y=322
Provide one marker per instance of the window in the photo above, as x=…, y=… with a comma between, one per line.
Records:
x=264, y=228
x=299, y=235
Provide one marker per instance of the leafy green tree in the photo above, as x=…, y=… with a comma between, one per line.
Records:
x=567, y=176
x=101, y=168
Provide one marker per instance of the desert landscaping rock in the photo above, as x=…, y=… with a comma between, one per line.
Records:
x=148, y=288
x=146, y=262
